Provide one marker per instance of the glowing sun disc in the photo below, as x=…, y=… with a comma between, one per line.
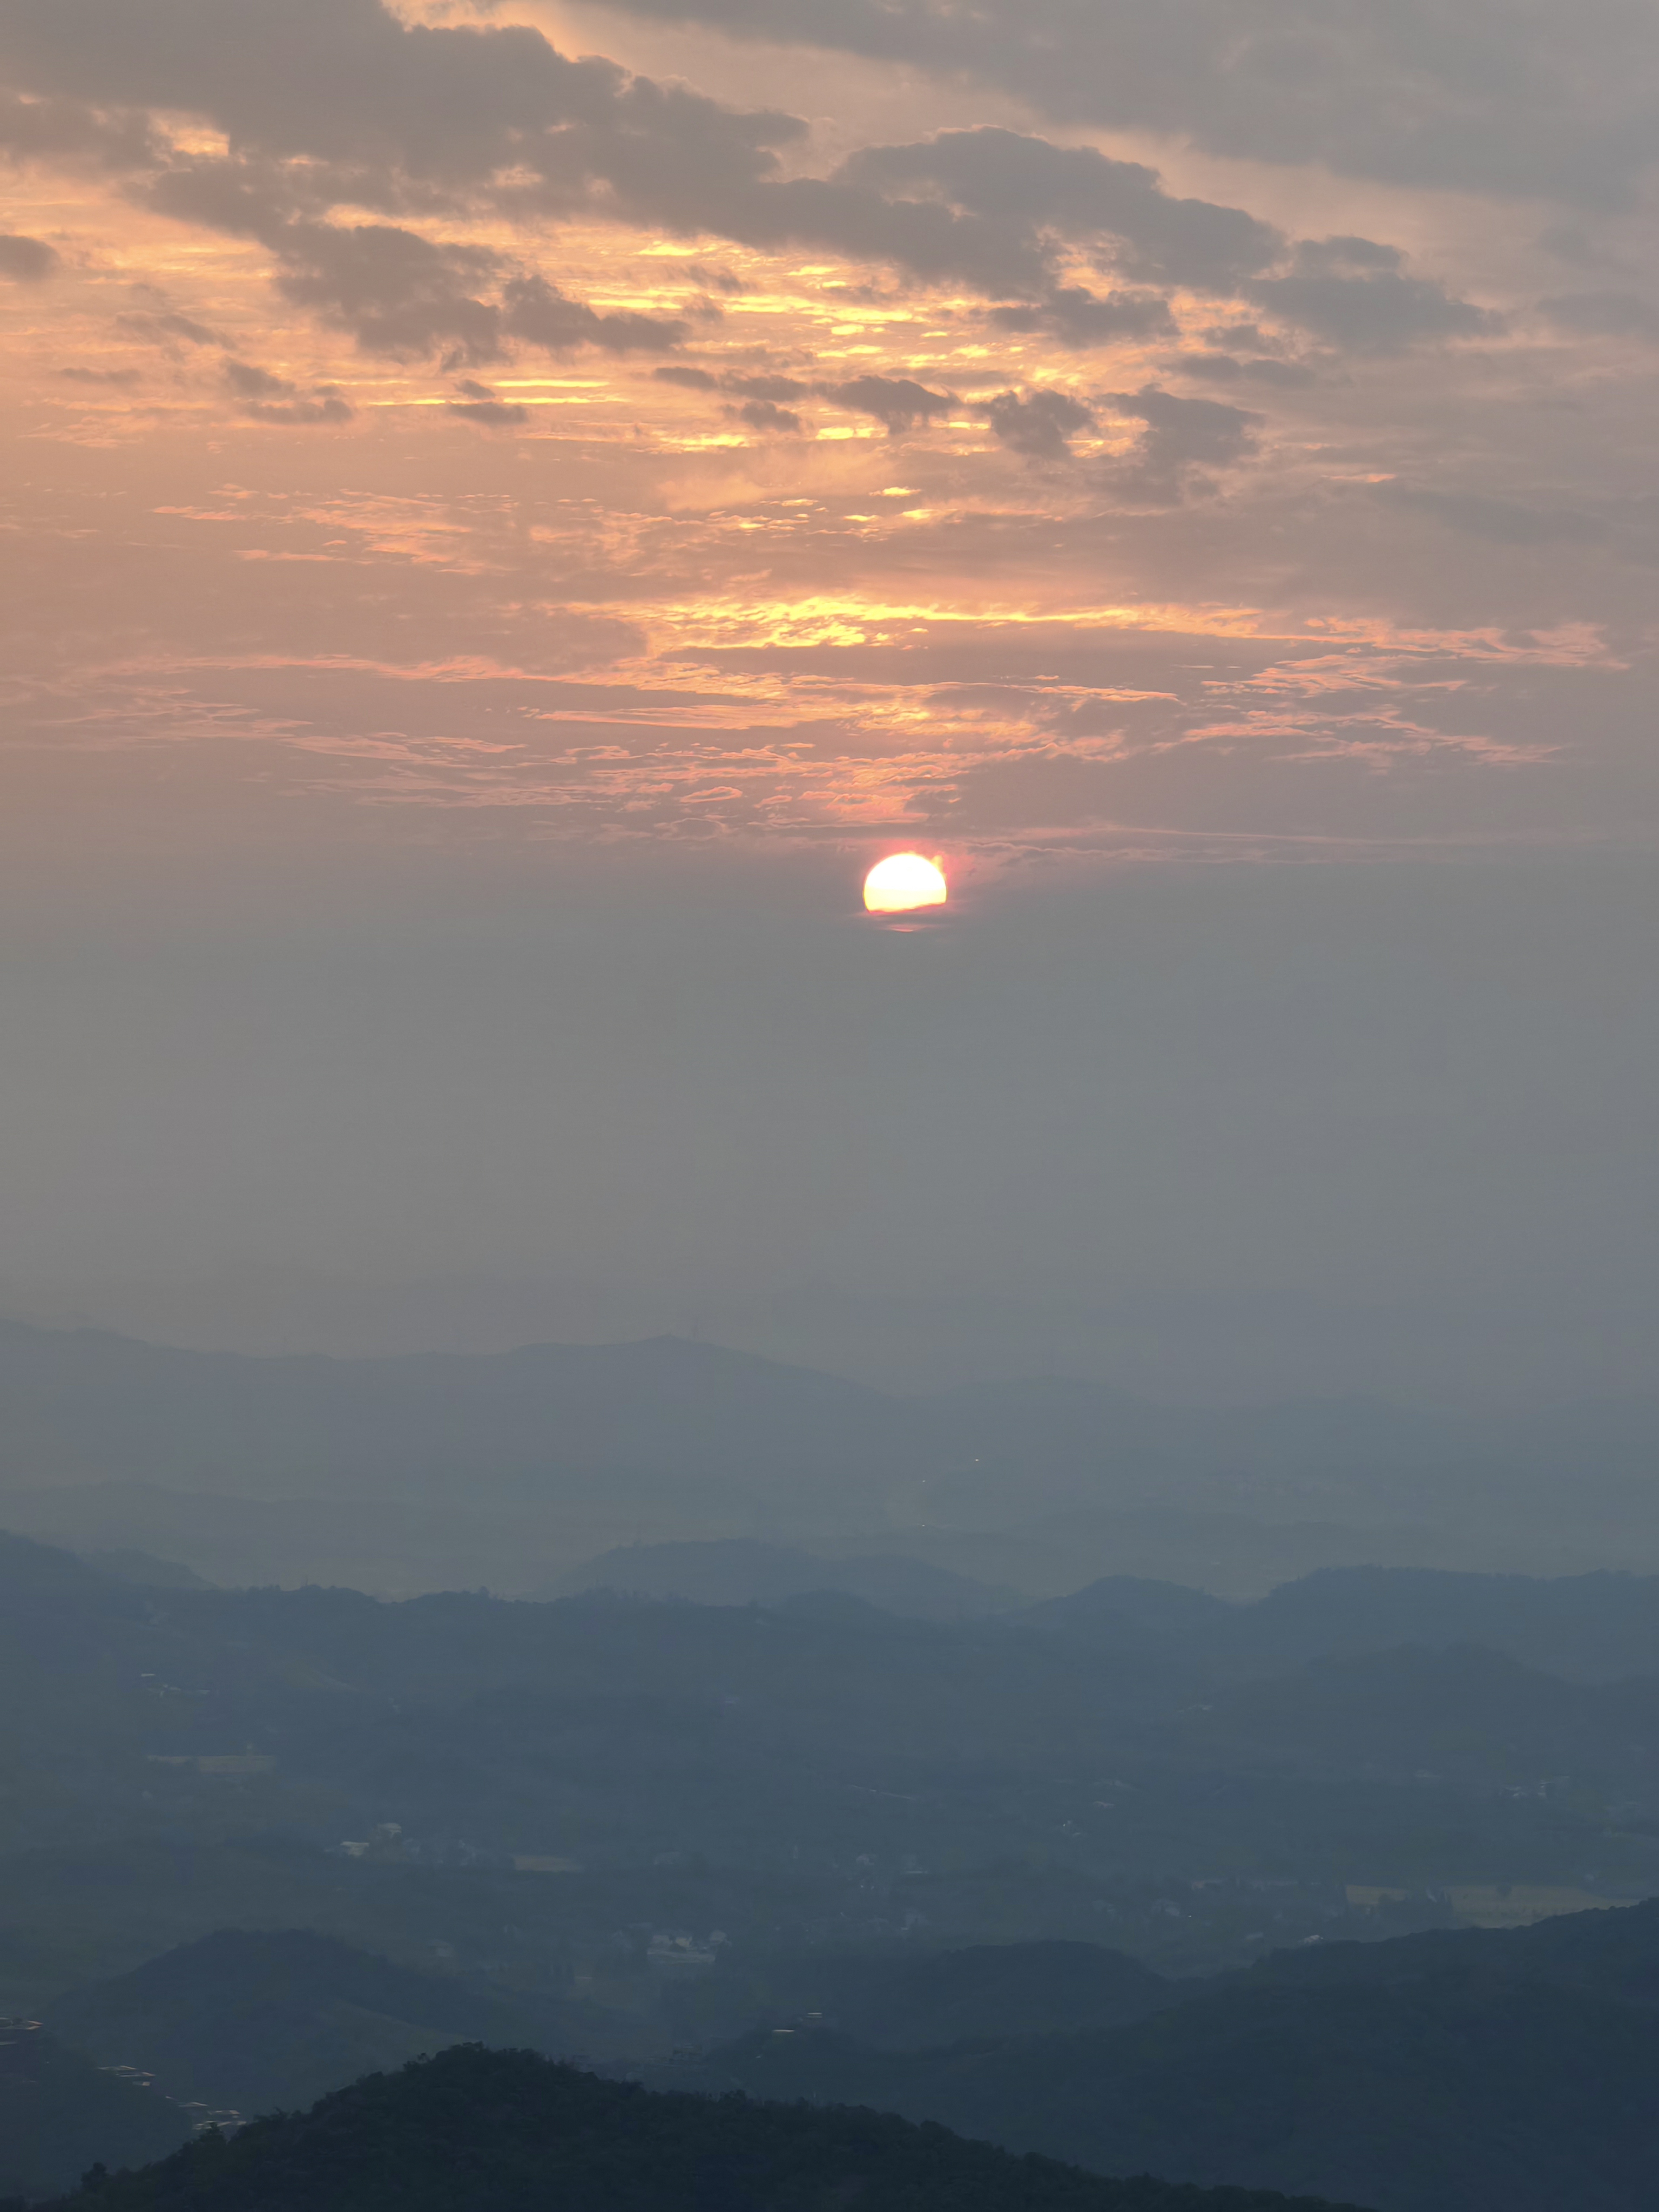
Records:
x=902, y=882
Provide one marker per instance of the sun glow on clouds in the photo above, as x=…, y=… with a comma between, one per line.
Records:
x=982, y=488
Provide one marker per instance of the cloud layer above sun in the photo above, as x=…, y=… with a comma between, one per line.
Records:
x=1079, y=429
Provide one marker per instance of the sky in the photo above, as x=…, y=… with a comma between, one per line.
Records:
x=508, y=510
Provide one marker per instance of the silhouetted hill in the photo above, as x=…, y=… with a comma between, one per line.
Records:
x=254, y=2021
x=1438, y=2095
x=1613, y=1955
x=1457, y=1712
x=743, y=1570
x=60, y=2113
x=994, y=1990
x=1597, y=1625
x=1130, y=1612
x=1593, y=1627
x=33, y=1575
x=473, y=2130
x=84, y=1404
x=1462, y=2071
x=146, y=1569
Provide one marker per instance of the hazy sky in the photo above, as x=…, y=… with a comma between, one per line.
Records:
x=509, y=509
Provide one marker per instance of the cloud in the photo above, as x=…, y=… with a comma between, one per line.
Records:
x=760, y=397
x=1499, y=521
x=1183, y=439
x=163, y=329
x=398, y=294
x=1352, y=292
x=66, y=133
x=332, y=104
x=336, y=105
x=325, y=406
x=491, y=414
x=1078, y=317
x=1603, y=314
x=766, y=387
x=898, y=402
x=763, y=414
x=27, y=261
x=1024, y=182
x=1554, y=99
x=1040, y=425
x=270, y=399
x=250, y=382
x=537, y=311
x=1256, y=368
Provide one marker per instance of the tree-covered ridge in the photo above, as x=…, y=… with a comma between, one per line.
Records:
x=477, y=2130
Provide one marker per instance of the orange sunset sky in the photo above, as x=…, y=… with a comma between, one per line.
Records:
x=602, y=417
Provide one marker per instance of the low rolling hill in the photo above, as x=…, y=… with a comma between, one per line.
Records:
x=474, y=2130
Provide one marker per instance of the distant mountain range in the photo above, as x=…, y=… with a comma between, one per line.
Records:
x=743, y=1570
x=512, y=1469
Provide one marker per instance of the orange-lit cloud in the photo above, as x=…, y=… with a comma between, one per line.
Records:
x=450, y=424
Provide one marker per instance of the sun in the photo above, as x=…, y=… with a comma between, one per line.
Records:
x=903, y=881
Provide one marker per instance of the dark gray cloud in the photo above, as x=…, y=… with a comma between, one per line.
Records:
x=491, y=414
x=898, y=402
x=67, y=130
x=328, y=103
x=250, y=382
x=27, y=261
x=1039, y=425
x=767, y=388
x=763, y=414
x=1182, y=441
x=1255, y=368
x=1353, y=293
x=542, y=315
x=760, y=400
x=1559, y=97
x=322, y=406
x=267, y=397
x=1011, y=179
x=396, y=292
x=166, y=328
x=1078, y=317
x=1499, y=521
x=1603, y=314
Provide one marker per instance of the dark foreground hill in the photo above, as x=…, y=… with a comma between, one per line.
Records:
x=1470, y=2071
x=475, y=2130
x=1439, y=2096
